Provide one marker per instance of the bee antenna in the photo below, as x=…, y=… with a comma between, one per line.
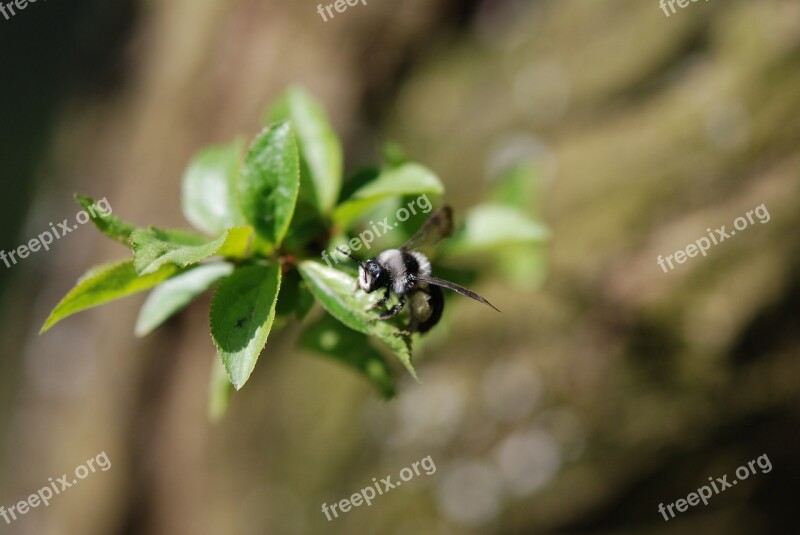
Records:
x=347, y=253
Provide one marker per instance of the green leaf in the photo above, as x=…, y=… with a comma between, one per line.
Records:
x=287, y=299
x=270, y=182
x=489, y=228
x=394, y=154
x=407, y=179
x=294, y=299
x=358, y=180
x=307, y=225
x=525, y=267
x=242, y=313
x=331, y=338
x=519, y=186
x=153, y=248
x=110, y=225
x=336, y=292
x=219, y=391
x=305, y=301
x=102, y=284
x=209, y=189
x=320, y=148
x=173, y=295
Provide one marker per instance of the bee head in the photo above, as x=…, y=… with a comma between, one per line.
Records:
x=371, y=276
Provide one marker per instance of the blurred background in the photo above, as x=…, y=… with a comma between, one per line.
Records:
x=605, y=388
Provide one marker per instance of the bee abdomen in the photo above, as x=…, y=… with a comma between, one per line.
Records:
x=434, y=307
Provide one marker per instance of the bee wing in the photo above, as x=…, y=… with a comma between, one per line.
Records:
x=437, y=227
x=455, y=287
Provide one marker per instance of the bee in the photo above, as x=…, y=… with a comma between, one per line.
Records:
x=406, y=273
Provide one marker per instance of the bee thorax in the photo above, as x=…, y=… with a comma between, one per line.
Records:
x=403, y=267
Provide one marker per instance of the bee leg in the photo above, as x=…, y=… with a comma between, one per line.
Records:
x=380, y=302
x=408, y=331
x=394, y=311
